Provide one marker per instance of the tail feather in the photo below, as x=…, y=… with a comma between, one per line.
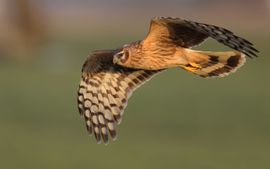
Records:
x=213, y=64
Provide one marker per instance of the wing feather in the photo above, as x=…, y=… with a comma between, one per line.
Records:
x=104, y=91
x=225, y=37
x=186, y=33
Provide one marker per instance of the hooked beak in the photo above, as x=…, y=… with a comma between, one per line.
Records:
x=115, y=59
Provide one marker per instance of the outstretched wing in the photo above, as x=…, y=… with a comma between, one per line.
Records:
x=104, y=91
x=187, y=33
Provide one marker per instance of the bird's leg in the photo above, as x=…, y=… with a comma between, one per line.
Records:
x=192, y=66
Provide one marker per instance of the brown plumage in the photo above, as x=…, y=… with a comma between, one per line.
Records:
x=169, y=39
x=104, y=91
x=110, y=76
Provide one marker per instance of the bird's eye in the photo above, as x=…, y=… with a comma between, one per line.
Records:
x=124, y=56
x=120, y=54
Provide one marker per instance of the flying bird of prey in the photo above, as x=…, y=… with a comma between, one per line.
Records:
x=110, y=76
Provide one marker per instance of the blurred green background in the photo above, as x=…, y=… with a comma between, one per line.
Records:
x=177, y=120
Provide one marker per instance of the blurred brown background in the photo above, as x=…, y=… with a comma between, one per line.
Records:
x=177, y=120
x=26, y=24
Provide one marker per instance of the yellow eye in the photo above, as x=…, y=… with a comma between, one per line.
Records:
x=124, y=56
x=120, y=54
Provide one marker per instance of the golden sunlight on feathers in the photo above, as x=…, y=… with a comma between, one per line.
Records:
x=110, y=76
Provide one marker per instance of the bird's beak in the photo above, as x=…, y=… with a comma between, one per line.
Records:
x=115, y=59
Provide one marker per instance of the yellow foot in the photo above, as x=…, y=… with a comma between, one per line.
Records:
x=195, y=65
x=192, y=67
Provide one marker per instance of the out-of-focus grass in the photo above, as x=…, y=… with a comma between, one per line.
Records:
x=177, y=120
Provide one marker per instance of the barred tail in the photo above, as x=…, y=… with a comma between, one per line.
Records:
x=211, y=64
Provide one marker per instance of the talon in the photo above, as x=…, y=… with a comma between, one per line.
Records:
x=195, y=65
x=192, y=67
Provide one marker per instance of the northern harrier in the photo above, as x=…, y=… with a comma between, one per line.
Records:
x=110, y=76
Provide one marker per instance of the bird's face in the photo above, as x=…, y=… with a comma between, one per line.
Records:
x=122, y=57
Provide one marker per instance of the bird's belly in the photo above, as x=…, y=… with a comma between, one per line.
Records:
x=157, y=62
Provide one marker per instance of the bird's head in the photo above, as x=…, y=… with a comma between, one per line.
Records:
x=122, y=56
